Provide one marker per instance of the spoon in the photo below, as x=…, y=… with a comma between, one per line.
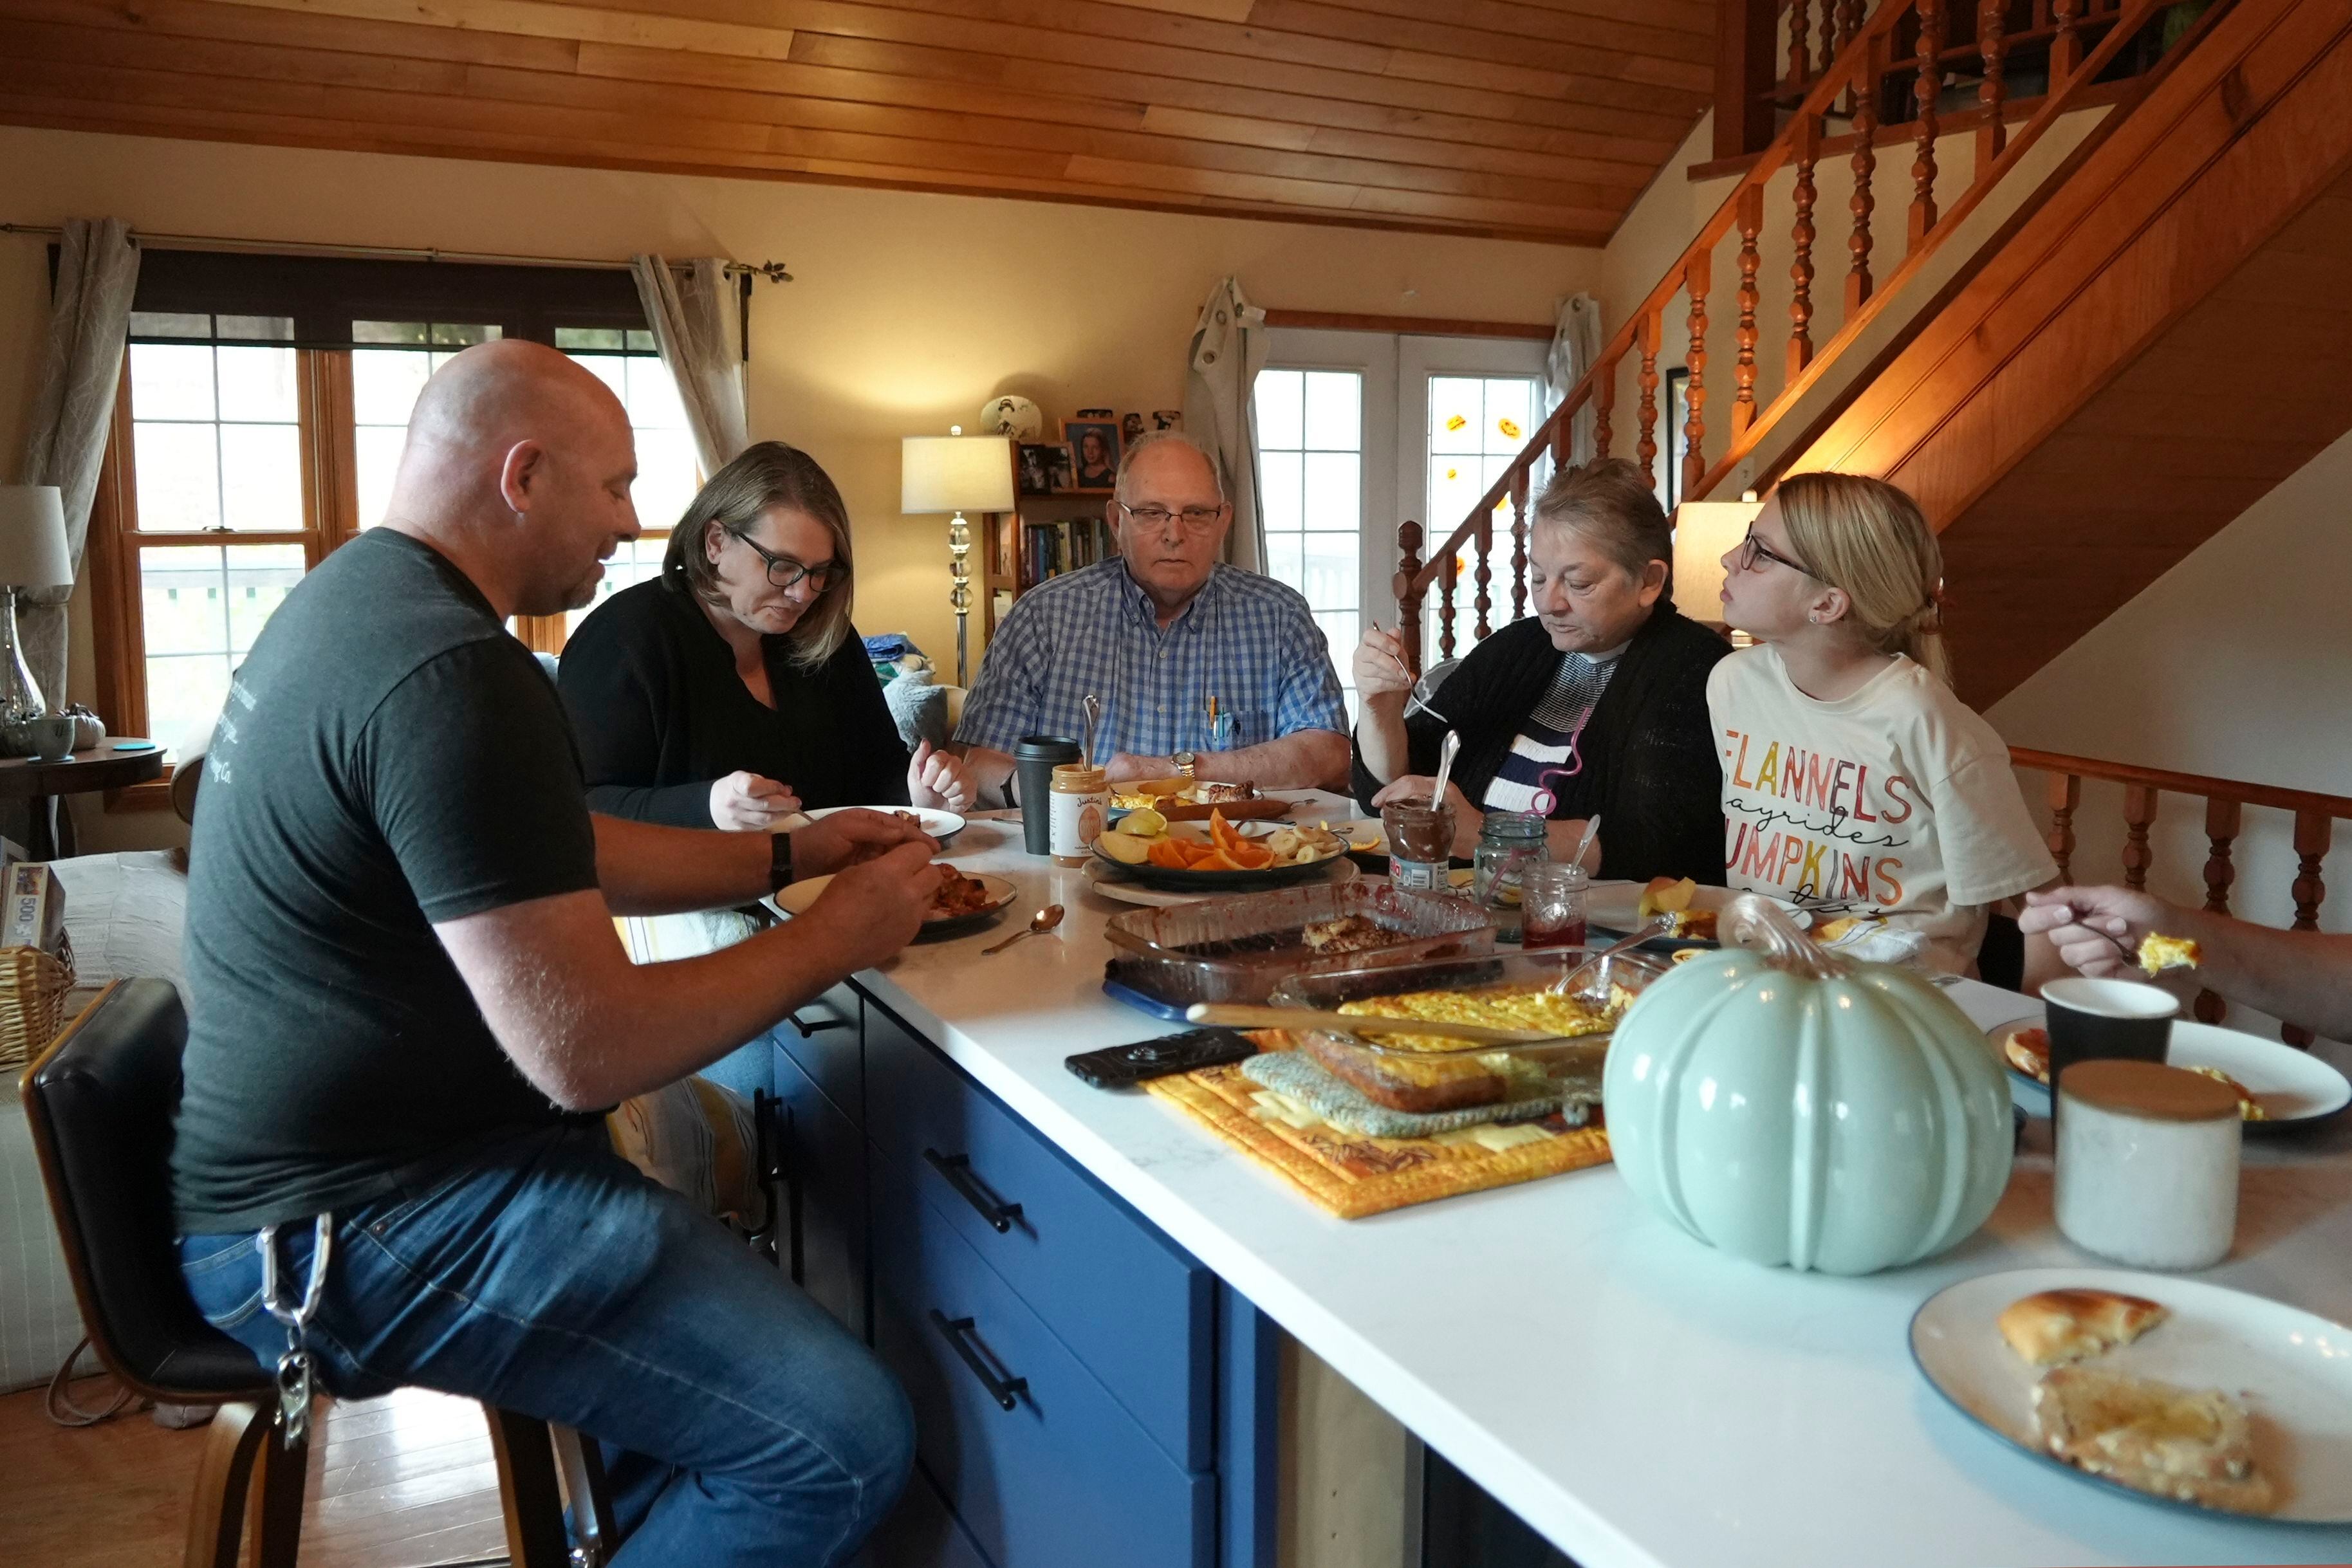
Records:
x=1092, y=705
x=1592, y=826
x=1656, y=925
x=1045, y=920
x=1445, y=755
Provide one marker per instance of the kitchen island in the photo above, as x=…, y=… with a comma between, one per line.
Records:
x=1639, y=1399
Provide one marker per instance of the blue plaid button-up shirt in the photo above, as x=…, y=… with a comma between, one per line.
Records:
x=1245, y=639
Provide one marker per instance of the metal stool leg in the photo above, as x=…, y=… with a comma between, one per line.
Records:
x=216, y=1518
x=581, y=1467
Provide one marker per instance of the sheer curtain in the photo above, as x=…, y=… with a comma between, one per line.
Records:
x=1575, y=344
x=73, y=404
x=697, y=326
x=1229, y=349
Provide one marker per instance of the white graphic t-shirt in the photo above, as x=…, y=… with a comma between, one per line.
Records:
x=1896, y=802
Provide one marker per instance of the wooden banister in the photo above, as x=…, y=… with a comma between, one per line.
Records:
x=2314, y=816
x=1855, y=55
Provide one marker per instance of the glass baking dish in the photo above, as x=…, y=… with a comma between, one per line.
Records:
x=1563, y=1057
x=1238, y=949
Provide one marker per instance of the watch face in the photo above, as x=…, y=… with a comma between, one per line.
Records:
x=1183, y=761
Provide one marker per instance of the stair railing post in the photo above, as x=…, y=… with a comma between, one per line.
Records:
x=1697, y=275
x=1646, y=447
x=1992, y=44
x=1865, y=168
x=1748, y=217
x=1805, y=153
x=2066, y=798
x=2222, y=819
x=2139, y=814
x=1409, y=593
x=1926, y=90
x=2314, y=831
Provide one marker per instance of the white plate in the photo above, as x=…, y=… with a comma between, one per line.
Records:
x=1106, y=880
x=941, y=825
x=2293, y=1085
x=1616, y=905
x=2293, y=1371
x=796, y=897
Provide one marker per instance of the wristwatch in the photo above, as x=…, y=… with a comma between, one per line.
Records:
x=1183, y=761
x=780, y=861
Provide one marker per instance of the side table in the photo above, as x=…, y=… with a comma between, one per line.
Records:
x=115, y=763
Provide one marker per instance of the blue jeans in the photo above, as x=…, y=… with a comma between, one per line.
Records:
x=742, y=1424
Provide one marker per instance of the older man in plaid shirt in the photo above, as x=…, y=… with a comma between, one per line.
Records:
x=1157, y=635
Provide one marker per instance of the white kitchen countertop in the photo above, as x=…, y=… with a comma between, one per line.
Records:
x=1638, y=1398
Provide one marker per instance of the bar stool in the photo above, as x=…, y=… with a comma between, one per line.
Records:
x=99, y=1103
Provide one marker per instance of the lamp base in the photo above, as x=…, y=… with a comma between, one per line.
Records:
x=20, y=694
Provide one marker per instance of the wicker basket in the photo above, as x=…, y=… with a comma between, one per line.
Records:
x=33, y=987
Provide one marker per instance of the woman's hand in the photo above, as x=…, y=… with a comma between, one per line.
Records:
x=940, y=781
x=1379, y=664
x=1414, y=789
x=746, y=803
x=2078, y=921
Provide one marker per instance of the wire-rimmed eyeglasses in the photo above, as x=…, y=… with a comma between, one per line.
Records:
x=783, y=572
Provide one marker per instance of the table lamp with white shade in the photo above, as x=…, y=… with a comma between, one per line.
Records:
x=32, y=556
x=957, y=472
x=1704, y=532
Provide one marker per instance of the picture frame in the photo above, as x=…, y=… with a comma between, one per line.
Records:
x=1048, y=466
x=1094, y=447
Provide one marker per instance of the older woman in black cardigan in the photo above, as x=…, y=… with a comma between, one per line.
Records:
x=732, y=690
x=1598, y=698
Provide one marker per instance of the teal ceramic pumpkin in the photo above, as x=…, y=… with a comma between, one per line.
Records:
x=1792, y=1108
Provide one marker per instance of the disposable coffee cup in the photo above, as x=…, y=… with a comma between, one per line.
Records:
x=1033, y=761
x=2094, y=1021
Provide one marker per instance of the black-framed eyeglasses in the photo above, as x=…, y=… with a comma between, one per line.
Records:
x=1196, y=519
x=1752, y=550
x=783, y=572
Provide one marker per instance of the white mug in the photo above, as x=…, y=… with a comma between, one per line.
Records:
x=51, y=737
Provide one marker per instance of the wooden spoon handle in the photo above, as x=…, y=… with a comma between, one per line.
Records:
x=1236, y=1015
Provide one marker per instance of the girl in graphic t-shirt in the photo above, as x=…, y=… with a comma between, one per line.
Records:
x=1855, y=783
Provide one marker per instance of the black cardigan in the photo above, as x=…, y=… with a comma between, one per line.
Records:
x=1650, y=764
x=661, y=714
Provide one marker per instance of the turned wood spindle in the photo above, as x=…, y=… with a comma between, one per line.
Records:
x=1605, y=402
x=1801, y=39
x=1447, y=610
x=1483, y=601
x=2139, y=813
x=2221, y=824
x=1409, y=597
x=2066, y=797
x=2314, y=831
x=1992, y=44
x=1645, y=417
x=1865, y=167
x=1926, y=90
x=1518, y=541
x=1696, y=276
x=2066, y=44
x=1750, y=218
x=1806, y=151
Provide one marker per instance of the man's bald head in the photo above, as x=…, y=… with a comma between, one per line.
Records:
x=517, y=465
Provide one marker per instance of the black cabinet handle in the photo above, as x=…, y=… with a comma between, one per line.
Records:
x=956, y=1171
x=958, y=1332
x=810, y=1031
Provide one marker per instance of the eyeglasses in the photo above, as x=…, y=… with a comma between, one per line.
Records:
x=1196, y=519
x=1752, y=550
x=783, y=572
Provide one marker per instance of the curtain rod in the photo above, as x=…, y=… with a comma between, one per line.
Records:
x=773, y=271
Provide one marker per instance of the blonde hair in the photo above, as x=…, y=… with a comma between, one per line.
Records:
x=767, y=474
x=1868, y=538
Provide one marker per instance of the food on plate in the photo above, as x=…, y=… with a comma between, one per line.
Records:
x=1694, y=925
x=1555, y=1012
x=1405, y=1084
x=1668, y=896
x=1365, y=839
x=2157, y=954
x=2051, y=1326
x=1144, y=822
x=2248, y=1110
x=2157, y=1437
x=1224, y=847
x=2028, y=1051
x=1151, y=793
x=957, y=895
x=1350, y=933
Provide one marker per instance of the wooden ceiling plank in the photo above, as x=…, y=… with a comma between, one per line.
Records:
x=1672, y=28
x=538, y=18
x=246, y=23
x=1212, y=10
x=1455, y=35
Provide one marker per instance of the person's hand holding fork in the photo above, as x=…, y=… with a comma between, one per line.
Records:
x=1380, y=668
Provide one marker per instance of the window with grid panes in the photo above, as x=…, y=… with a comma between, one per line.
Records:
x=1476, y=425
x=240, y=460
x=1310, y=435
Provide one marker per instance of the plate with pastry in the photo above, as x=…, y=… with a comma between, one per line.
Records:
x=2157, y=1387
x=2277, y=1085
x=1620, y=907
x=960, y=903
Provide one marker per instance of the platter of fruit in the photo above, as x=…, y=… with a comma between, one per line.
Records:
x=1215, y=855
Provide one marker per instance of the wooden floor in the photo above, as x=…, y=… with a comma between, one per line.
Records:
x=394, y=1483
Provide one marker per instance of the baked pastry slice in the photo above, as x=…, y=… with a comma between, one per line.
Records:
x=2051, y=1326
x=2191, y=1443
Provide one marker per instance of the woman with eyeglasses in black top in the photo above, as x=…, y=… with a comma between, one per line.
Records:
x=732, y=690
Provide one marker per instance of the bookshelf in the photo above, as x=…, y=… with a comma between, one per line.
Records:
x=1042, y=536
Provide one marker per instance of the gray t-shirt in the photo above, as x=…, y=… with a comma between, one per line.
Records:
x=389, y=758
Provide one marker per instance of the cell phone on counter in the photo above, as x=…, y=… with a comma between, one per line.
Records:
x=1122, y=1065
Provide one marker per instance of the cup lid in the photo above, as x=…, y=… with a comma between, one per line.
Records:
x=1045, y=748
x=2148, y=1090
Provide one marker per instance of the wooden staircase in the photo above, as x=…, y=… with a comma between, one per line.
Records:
x=2156, y=336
